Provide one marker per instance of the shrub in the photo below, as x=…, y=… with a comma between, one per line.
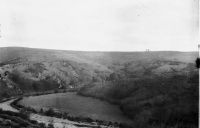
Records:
x=50, y=112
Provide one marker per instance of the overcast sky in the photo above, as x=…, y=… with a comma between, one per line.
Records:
x=100, y=25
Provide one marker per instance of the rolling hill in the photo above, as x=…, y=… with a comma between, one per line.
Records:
x=143, y=84
x=41, y=69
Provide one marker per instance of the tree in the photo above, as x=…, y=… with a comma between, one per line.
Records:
x=50, y=112
x=50, y=125
x=41, y=110
x=198, y=62
x=5, y=95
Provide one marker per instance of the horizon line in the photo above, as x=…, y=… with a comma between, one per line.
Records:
x=98, y=50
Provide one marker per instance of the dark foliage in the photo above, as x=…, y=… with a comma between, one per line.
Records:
x=198, y=62
x=27, y=85
x=159, y=100
x=18, y=120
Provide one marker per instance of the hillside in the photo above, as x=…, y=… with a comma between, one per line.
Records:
x=144, y=84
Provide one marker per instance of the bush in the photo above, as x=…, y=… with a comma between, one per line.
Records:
x=50, y=112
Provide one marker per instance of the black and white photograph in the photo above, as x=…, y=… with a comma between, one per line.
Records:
x=99, y=63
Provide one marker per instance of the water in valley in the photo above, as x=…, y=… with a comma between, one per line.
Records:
x=78, y=106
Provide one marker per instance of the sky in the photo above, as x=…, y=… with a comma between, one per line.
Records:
x=100, y=25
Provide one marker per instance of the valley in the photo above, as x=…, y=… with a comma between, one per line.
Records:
x=150, y=89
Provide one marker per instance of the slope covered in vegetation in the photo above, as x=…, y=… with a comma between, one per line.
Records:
x=152, y=88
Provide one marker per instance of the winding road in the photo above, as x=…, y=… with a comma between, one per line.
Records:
x=7, y=107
